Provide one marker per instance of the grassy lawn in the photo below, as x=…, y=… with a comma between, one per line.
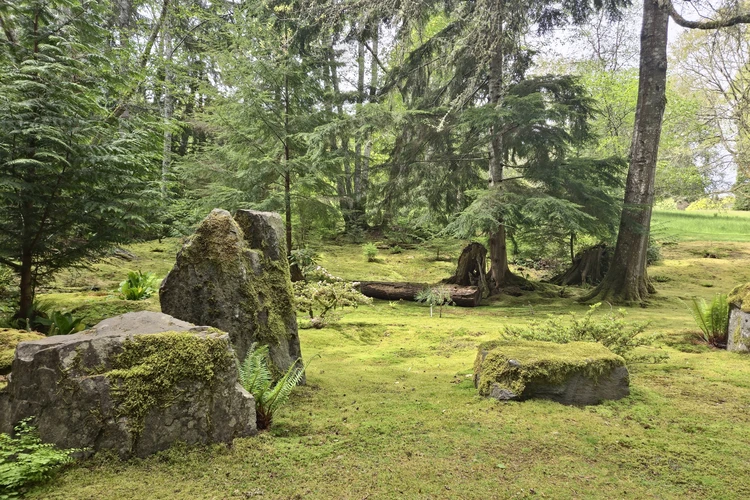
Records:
x=390, y=410
x=708, y=225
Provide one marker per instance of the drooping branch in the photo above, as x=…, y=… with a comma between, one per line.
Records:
x=704, y=25
x=10, y=264
x=8, y=31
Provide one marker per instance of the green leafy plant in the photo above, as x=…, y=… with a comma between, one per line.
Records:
x=255, y=377
x=138, y=286
x=370, y=251
x=396, y=250
x=328, y=294
x=437, y=296
x=610, y=329
x=305, y=259
x=60, y=323
x=25, y=460
x=712, y=319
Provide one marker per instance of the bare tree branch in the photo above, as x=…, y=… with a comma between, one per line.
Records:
x=703, y=25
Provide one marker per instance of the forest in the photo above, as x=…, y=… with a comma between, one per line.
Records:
x=435, y=189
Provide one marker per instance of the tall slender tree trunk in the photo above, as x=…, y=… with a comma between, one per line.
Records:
x=167, y=111
x=287, y=171
x=499, y=272
x=358, y=160
x=343, y=180
x=627, y=280
x=27, y=283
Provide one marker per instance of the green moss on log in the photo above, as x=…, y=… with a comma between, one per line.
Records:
x=740, y=297
x=537, y=361
x=149, y=368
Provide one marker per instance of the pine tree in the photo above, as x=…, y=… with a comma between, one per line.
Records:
x=73, y=177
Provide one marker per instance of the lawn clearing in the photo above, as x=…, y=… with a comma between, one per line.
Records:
x=390, y=412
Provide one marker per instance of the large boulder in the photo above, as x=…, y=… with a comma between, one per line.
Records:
x=233, y=274
x=738, y=332
x=135, y=384
x=578, y=373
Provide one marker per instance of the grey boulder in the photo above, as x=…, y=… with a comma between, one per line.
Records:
x=233, y=274
x=135, y=384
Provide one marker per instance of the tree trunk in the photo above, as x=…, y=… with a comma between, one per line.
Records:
x=472, y=268
x=627, y=280
x=27, y=284
x=166, y=53
x=589, y=266
x=464, y=296
x=500, y=274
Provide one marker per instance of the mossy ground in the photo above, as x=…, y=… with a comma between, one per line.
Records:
x=390, y=410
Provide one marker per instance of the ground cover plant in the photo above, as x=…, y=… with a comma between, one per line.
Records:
x=390, y=410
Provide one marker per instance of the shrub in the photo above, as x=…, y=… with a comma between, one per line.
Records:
x=437, y=296
x=725, y=203
x=370, y=251
x=396, y=250
x=24, y=460
x=305, y=259
x=255, y=377
x=138, y=286
x=712, y=319
x=611, y=330
x=319, y=299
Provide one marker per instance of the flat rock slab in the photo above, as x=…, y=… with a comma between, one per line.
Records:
x=578, y=373
x=233, y=274
x=135, y=384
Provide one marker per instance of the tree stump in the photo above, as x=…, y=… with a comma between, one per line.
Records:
x=589, y=266
x=471, y=270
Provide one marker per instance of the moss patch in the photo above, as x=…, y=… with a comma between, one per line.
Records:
x=740, y=296
x=539, y=361
x=9, y=339
x=145, y=374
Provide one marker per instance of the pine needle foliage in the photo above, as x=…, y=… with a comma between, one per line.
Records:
x=256, y=378
x=72, y=175
x=712, y=319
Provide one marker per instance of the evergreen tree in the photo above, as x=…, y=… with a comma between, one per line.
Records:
x=73, y=178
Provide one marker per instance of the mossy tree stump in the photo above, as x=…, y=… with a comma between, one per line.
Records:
x=578, y=373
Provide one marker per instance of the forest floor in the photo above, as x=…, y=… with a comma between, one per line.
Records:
x=390, y=410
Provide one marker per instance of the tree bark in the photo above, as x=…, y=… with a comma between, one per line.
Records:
x=589, y=266
x=627, y=280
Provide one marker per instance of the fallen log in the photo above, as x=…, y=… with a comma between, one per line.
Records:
x=464, y=296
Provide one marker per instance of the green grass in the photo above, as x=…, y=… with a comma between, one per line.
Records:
x=709, y=225
x=389, y=411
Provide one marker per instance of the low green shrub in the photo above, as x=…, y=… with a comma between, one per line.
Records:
x=138, y=286
x=712, y=319
x=305, y=259
x=396, y=250
x=370, y=251
x=25, y=460
x=325, y=294
x=611, y=330
x=726, y=203
x=437, y=296
x=255, y=377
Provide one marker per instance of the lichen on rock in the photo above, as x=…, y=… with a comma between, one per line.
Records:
x=573, y=373
x=150, y=367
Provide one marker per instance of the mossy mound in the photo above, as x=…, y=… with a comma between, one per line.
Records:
x=573, y=373
x=9, y=339
x=740, y=297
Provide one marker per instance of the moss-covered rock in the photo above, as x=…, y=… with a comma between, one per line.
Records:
x=740, y=297
x=9, y=339
x=575, y=373
x=233, y=274
x=135, y=384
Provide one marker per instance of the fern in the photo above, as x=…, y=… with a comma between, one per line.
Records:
x=256, y=378
x=712, y=319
